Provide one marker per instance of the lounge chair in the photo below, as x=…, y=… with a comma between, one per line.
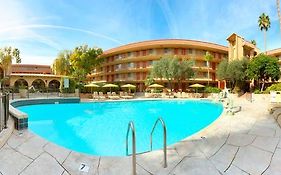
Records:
x=148, y=95
x=95, y=95
x=126, y=96
x=184, y=95
x=178, y=95
x=113, y=96
x=101, y=96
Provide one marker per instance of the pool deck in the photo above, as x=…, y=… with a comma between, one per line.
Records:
x=245, y=143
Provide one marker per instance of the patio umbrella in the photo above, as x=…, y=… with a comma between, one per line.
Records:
x=110, y=86
x=129, y=86
x=91, y=85
x=196, y=86
x=155, y=86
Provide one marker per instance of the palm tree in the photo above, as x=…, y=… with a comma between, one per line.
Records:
x=208, y=57
x=7, y=55
x=279, y=12
x=264, y=24
x=254, y=42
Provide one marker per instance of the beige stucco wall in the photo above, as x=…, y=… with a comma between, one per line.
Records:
x=30, y=79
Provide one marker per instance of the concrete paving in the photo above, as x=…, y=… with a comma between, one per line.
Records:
x=245, y=143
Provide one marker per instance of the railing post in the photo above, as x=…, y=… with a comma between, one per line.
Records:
x=1, y=111
x=164, y=139
x=6, y=106
x=134, y=161
x=12, y=93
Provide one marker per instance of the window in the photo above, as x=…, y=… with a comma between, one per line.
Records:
x=131, y=65
x=116, y=76
x=118, y=67
x=150, y=63
x=150, y=51
x=205, y=75
x=190, y=51
x=175, y=51
x=144, y=53
x=129, y=75
x=129, y=54
x=167, y=51
x=206, y=64
x=183, y=51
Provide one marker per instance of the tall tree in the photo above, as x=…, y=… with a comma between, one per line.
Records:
x=264, y=25
x=61, y=65
x=222, y=70
x=7, y=55
x=86, y=58
x=165, y=68
x=184, y=71
x=234, y=72
x=149, y=79
x=279, y=12
x=263, y=68
x=208, y=57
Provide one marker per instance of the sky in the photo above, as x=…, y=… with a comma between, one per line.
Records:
x=43, y=28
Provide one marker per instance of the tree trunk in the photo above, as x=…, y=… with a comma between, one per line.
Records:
x=262, y=86
x=279, y=12
x=170, y=84
x=208, y=72
x=264, y=41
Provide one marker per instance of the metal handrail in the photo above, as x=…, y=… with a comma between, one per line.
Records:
x=164, y=139
x=134, y=162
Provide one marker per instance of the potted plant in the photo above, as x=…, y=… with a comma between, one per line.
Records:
x=23, y=91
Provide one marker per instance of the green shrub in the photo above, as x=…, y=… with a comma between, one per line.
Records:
x=257, y=91
x=274, y=87
x=209, y=89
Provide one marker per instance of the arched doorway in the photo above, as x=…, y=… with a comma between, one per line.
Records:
x=54, y=85
x=20, y=82
x=38, y=84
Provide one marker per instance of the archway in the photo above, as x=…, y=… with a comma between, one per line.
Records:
x=54, y=85
x=21, y=82
x=38, y=84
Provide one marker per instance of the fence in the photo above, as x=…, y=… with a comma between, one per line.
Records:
x=4, y=110
x=16, y=93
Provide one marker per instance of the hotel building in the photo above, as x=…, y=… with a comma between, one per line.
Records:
x=131, y=63
x=275, y=53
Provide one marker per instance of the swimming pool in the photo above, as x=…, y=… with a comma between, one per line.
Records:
x=100, y=128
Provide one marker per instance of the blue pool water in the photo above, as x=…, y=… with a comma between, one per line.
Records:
x=100, y=128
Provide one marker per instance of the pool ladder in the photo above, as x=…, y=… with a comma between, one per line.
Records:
x=131, y=127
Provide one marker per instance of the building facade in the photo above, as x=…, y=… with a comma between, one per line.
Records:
x=239, y=48
x=275, y=53
x=131, y=63
x=38, y=76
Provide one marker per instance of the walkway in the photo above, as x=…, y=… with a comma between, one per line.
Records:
x=246, y=143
